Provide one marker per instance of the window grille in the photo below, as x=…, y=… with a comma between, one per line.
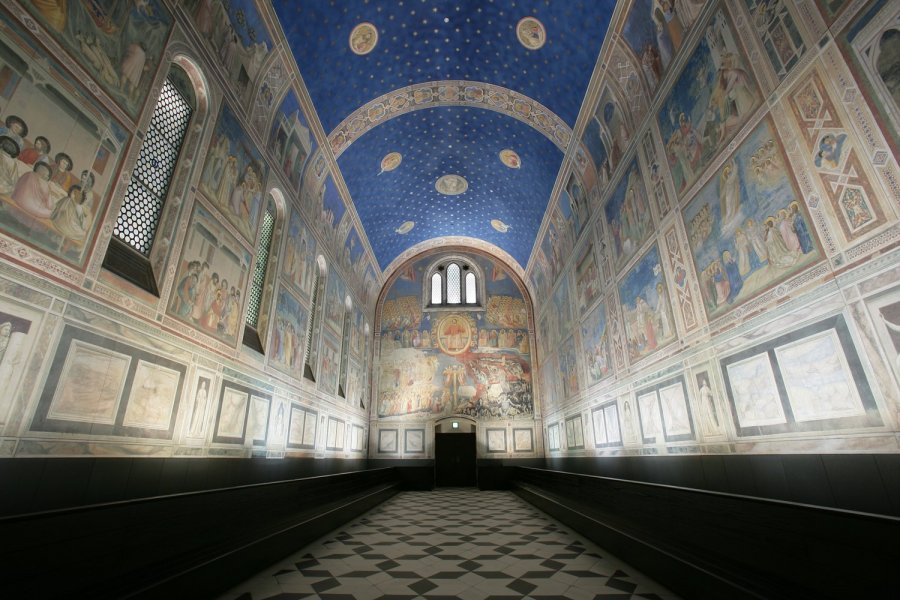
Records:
x=471, y=295
x=453, y=292
x=436, y=285
x=141, y=209
x=262, y=262
x=309, y=363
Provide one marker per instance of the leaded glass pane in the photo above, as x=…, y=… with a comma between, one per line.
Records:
x=146, y=193
x=259, y=271
x=453, y=283
x=311, y=354
x=470, y=289
x=436, y=288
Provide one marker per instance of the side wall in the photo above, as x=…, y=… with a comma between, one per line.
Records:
x=723, y=261
x=95, y=368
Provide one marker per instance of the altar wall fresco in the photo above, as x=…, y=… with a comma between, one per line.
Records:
x=472, y=362
x=735, y=287
x=93, y=366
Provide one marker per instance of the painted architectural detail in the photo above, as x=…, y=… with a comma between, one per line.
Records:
x=835, y=159
x=680, y=278
x=464, y=93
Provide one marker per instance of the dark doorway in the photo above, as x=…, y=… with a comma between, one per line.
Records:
x=454, y=459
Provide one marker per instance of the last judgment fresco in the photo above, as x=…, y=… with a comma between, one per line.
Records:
x=471, y=362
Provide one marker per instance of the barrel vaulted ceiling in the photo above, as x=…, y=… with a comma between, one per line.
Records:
x=447, y=117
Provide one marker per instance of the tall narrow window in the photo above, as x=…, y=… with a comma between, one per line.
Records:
x=345, y=349
x=471, y=296
x=436, y=285
x=142, y=206
x=453, y=295
x=311, y=351
x=252, y=335
x=364, y=368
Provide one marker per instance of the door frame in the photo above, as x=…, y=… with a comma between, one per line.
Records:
x=473, y=429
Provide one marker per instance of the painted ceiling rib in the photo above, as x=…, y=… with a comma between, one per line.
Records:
x=474, y=94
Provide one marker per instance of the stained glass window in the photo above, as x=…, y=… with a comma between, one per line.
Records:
x=139, y=216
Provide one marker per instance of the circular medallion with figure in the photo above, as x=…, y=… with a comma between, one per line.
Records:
x=451, y=185
x=510, y=159
x=391, y=161
x=454, y=334
x=531, y=33
x=363, y=38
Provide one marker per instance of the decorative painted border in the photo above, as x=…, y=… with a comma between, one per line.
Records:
x=432, y=94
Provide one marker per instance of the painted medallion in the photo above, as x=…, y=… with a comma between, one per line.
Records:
x=531, y=33
x=390, y=162
x=363, y=38
x=454, y=334
x=510, y=159
x=405, y=228
x=451, y=185
x=500, y=225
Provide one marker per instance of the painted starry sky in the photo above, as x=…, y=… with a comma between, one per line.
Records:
x=434, y=40
x=431, y=40
x=459, y=141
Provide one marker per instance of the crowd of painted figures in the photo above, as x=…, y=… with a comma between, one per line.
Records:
x=41, y=185
x=206, y=300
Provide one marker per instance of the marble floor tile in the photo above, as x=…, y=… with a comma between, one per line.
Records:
x=451, y=543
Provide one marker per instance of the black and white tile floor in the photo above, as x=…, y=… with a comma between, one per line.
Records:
x=451, y=543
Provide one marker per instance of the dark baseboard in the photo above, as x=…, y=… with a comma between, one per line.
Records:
x=859, y=482
x=706, y=544
x=413, y=475
x=218, y=575
x=40, y=484
x=679, y=575
x=205, y=542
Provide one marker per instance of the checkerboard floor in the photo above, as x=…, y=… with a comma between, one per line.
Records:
x=451, y=543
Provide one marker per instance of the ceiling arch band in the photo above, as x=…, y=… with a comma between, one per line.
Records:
x=432, y=94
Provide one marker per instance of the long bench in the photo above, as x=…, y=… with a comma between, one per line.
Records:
x=704, y=544
x=160, y=547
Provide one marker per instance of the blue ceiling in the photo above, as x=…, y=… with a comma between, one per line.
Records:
x=451, y=141
x=477, y=42
x=435, y=40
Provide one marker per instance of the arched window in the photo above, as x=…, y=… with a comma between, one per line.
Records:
x=454, y=282
x=252, y=329
x=345, y=348
x=437, y=285
x=471, y=294
x=312, y=335
x=364, y=367
x=135, y=229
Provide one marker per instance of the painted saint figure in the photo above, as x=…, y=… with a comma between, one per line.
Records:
x=32, y=192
